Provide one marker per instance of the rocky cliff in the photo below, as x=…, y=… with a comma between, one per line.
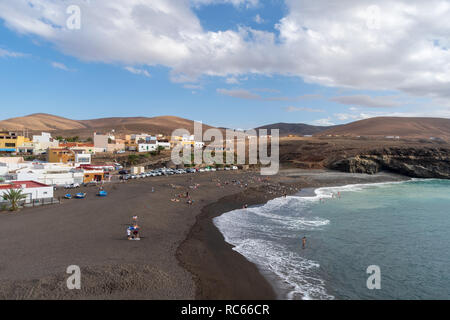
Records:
x=422, y=162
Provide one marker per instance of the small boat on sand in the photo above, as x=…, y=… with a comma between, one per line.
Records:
x=80, y=195
x=102, y=193
x=68, y=196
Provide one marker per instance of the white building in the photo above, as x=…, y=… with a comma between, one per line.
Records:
x=43, y=142
x=143, y=137
x=147, y=147
x=28, y=147
x=45, y=173
x=31, y=189
x=8, y=164
x=83, y=158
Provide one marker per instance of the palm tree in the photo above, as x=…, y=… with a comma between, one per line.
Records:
x=14, y=196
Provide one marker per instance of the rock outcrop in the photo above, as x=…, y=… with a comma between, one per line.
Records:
x=414, y=162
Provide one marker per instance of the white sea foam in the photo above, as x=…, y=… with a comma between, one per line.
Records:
x=262, y=235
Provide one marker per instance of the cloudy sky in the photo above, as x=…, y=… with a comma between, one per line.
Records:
x=236, y=63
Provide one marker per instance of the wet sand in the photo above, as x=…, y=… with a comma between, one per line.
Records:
x=181, y=254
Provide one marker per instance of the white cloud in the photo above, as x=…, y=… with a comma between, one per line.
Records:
x=368, y=101
x=249, y=95
x=193, y=86
x=258, y=19
x=295, y=109
x=268, y=90
x=236, y=3
x=323, y=122
x=352, y=117
x=60, y=66
x=328, y=43
x=11, y=54
x=438, y=113
x=232, y=80
x=142, y=72
x=239, y=93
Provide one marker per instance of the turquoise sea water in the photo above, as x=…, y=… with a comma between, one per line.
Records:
x=404, y=228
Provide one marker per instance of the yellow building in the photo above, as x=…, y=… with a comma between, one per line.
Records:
x=93, y=175
x=10, y=141
x=60, y=155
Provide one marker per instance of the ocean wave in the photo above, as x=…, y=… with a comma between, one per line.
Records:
x=295, y=273
x=329, y=192
x=262, y=234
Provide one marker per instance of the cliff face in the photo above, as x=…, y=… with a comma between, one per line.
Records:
x=413, y=162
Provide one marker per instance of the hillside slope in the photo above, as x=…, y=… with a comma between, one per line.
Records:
x=300, y=129
x=40, y=122
x=394, y=126
x=83, y=128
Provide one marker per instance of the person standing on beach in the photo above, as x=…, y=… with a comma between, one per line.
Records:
x=304, y=242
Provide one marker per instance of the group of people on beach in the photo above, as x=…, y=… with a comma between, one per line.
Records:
x=133, y=230
x=186, y=195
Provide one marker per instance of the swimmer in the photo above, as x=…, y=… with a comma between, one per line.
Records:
x=304, y=242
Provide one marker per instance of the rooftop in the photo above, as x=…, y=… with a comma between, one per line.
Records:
x=19, y=184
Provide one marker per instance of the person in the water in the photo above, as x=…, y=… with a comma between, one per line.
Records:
x=304, y=242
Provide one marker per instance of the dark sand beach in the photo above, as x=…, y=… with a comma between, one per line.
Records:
x=181, y=254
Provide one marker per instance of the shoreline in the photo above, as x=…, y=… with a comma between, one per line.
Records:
x=221, y=273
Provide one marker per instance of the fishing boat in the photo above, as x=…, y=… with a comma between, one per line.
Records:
x=102, y=193
x=80, y=195
x=68, y=196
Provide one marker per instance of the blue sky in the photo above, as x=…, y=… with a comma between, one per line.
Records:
x=233, y=63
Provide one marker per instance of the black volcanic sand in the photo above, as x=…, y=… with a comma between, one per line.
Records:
x=181, y=254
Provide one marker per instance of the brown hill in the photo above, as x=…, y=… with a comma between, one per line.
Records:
x=295, y=128
x=85, y=128
x=40, y=122
x=394, y=126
